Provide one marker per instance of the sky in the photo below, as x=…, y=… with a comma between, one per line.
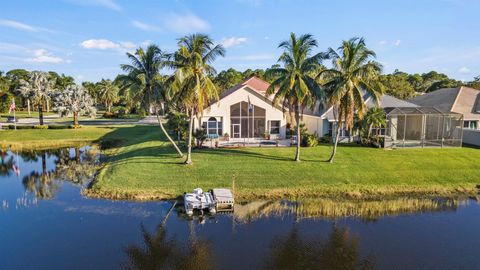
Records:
x=88, y=39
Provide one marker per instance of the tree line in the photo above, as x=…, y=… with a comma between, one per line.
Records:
x=300, y=80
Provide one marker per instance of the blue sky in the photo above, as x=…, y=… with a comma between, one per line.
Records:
x=87, y=39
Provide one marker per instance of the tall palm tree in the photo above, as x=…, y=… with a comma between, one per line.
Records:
x=108, y=92
x=192, y=83
x=39, y=87
x=353, y=76
x=145, y=82
x=295, y=87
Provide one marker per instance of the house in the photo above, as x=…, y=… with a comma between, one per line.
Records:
x=246, y=112
x=463, y=100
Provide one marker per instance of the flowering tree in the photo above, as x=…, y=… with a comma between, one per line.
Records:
x=38, y=87
x=74, y=100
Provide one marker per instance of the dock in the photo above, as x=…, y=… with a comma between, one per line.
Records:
x=224, y=199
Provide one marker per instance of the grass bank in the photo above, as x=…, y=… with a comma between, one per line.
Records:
x=146, y=167
x=51, y=138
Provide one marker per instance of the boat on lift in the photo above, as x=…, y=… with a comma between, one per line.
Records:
x=218, y=199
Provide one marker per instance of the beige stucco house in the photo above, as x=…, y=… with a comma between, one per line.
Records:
x=244, y=111
x=462, y=100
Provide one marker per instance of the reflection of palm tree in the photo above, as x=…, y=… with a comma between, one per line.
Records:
x=162, y=252
x=340, y=251
x=41, y=184
x=79, y=169
x=6, y=164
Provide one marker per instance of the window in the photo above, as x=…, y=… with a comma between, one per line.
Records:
x=247, y=122
x=470, y=124
x=213, y=126
x=274, y=127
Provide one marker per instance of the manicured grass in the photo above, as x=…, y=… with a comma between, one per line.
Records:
x=146, y=167
x=49, y=138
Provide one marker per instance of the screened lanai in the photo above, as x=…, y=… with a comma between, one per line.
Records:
x=422, y=127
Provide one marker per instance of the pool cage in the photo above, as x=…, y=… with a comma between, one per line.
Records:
x=422, y=127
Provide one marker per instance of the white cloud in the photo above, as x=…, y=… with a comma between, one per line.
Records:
x=19, y=25
x=110, y=4
x=383, y=42
x=101, y=44
x=397, y=42
x=186, y=23
x=233, y=41
x=44, y=56
x=128, y=45
x=145, y=27
x=464, y=70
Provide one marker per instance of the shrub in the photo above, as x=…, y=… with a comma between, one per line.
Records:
x=40, y=127
x=20, y=127
x=109, y=115
x=58, y=126
x=74, y=126
x=326, y=139
x=309, y=140
x=200, y=136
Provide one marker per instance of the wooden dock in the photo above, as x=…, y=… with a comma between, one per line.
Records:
x=224, y=199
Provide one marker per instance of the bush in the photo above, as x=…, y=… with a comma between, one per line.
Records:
x=326, y=139
x=40, y=127
x=58, y=127
x=74, y=126
x=309, y=140
x=20, y=127
x=109, y=115
x=200, y=136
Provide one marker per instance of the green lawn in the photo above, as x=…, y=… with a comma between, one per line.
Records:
x=50, y=138
x=148, y=168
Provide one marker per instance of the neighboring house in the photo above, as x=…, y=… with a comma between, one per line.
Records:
x=463, y=100
x=244, y=111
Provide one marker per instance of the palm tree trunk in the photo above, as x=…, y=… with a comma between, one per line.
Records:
x=48, y=105
x=168, y=136
x=188, y=161
x=297, y=120
x=335, y=143
x=28, y=106
x=40, y=113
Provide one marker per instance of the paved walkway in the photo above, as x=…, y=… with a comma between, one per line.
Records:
x=53, y=120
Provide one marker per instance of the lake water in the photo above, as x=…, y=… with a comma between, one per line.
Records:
x=45, y=223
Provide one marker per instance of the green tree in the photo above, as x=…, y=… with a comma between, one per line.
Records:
x=228, y=78
x=39, y=87
x=74, y=100
x=108, y=93
x=295, y=88
x=353, y=74
x=192, y=84
x=397, y=85
x=145, y=82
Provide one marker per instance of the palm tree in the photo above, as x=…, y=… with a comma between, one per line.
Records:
x=39, y=87
x=353, y=75
x=144, y=81
x=295, y=87
x=374, y=118
x=108, y=92
x=192, y=83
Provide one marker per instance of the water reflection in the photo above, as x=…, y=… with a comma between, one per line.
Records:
x=50, y=168
x=314, y=208
x=159, y=251
x=339, y=251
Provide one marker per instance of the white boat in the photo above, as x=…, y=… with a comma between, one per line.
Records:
x=199, y=200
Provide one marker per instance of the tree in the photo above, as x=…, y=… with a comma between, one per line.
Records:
x=228, y=78
x=475, y=83
x=353, y=75
x=74, y=100
x=38, y=87
x=397, y=85
x=295, y=88
x=374, y=118
x=192, y=83
x=108, y=93
x=92, y=90
x=145, y=83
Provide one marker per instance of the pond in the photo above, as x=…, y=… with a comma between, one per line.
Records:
x=45, y=223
